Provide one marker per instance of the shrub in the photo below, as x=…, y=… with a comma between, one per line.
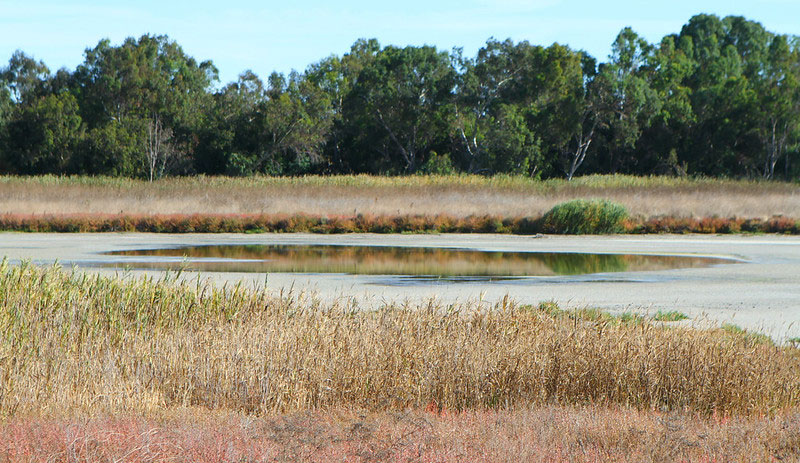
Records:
x=585, y=217
x=438, y=164
x=670, y=316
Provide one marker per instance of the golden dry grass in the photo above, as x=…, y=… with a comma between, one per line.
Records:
x=457, y=196
x=74, y=344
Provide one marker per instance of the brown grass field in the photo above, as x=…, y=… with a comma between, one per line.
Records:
x=99, y=368
x=348, y=196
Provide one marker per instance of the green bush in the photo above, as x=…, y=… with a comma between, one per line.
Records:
x=438, y=164
x=585, y=217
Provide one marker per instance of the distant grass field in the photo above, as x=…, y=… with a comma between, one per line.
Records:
x=364, y=204
x=348, y=196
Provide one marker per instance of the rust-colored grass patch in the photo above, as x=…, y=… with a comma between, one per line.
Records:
x=543, y=434
x=282, y=223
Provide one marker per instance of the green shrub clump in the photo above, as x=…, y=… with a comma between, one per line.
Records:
x=585, y=217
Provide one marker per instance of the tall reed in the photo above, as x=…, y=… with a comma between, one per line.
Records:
x=74, y=343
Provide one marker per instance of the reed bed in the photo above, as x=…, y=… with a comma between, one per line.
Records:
x=430, y=196
x=75, y=344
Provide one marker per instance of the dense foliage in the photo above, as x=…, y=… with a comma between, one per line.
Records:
x=719, y=98
x=585, y=217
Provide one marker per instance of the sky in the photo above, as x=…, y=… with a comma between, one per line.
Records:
x=267, y=36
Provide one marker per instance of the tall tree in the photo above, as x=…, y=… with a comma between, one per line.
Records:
x=24, y=77
x=335, y=77
x=627, y=99
x=661, y=146
x=568, y=111
x=229, y=132
x=779, y=88
x=400, y=104
x=146, y=82
x=293, y=124
x=44, y=135
x=492, y=110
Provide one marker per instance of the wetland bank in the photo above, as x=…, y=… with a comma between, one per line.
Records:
x=300, y=331
x=757, y=288
x=273, y=371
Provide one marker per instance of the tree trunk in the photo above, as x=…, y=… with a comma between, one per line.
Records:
x=157, y=149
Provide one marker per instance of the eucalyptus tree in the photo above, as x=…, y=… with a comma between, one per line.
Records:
x=6, y=108
x=336, y=76
x=228, y=132
x=43, y=135
x=399, y=108
x=292, y=123
x=492, y=110
x=723, y=138
x=779, y=102
x=567, y=111
x=24, y=77
x=625, y=99
x=42, y=130
x=150, y=89
x=661, y=146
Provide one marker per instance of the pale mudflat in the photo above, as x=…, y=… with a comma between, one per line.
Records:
x=760, y=291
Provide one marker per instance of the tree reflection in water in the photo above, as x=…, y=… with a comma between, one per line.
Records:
x=388, y=260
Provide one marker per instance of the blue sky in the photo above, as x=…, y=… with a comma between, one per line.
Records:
x=266, y=35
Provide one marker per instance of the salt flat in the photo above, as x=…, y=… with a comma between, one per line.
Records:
x=760, y=291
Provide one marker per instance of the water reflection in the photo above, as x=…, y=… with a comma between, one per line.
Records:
x=384, y=260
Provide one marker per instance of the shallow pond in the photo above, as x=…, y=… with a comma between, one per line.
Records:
x=445, y=263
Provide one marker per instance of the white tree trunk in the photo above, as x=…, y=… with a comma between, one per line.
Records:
x=158, y=149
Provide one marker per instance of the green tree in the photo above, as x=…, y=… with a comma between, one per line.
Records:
x=112, y=149
x=336, y=77
x=24, y=77
x=662, y=143
x=492, y=110
x=147, y=83
x=723, y=139
x=567, y=109
x=43, y=135
x=6, y=109
x=230, y=132
x=779, y=102
x=626, y=99
x=398, y=108
x=293, y=124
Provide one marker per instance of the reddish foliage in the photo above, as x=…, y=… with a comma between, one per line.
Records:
x=282, y=223
x=547, y=434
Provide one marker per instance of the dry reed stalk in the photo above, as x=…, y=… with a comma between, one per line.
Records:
x=73, y=343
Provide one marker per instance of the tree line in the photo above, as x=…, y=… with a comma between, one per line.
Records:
x=719, y=98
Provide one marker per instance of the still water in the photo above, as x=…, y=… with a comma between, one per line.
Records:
x=446, y=263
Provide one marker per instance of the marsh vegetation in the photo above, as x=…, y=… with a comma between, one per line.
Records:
x=80, y=344
x=365, y=204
